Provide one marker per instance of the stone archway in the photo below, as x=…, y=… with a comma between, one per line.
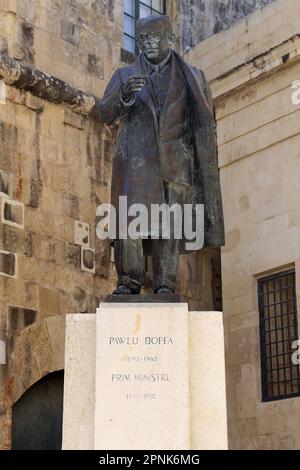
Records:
x=33, y=353
x=37, y=416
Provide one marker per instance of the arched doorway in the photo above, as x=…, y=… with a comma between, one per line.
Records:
x=37, y=415
x=34, y=353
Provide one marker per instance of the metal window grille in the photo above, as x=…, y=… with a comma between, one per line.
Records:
x=278, y=332
x=135, y=9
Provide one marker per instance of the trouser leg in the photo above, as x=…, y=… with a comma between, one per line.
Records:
x=165, y=258
x=165, y=252
x=129, y=261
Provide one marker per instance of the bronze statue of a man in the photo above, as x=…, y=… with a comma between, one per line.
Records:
x=166, y=151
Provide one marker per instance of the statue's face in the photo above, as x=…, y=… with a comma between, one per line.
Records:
x=155, y=45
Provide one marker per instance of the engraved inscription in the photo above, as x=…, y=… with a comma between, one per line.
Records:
x=135, y=340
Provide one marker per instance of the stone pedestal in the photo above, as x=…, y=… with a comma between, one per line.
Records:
x=145, y=376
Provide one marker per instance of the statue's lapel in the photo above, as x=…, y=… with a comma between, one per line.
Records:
x=193, y=83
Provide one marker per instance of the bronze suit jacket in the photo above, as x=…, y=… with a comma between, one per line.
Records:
x=149, y=152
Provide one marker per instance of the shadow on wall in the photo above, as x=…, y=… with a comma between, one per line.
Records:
x=37, y=415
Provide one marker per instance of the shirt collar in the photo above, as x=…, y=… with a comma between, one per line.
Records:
x=157, y=67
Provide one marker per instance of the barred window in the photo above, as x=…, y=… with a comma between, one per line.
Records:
x=135, y=9
x=278, y=332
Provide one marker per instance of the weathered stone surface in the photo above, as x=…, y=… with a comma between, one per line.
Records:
x=70, y=32
x=33, y=353
x=79, y=378
x=43, y=85
x=259, y=167
x=19, y=317
x=73, y=254
x=45, y=165
x=73, y=119
x=58, y=164
x=26, y=42
x=87, y=259
x=13, y=213
x=6, y=183
x=95, y=66
x=8, y=264
x=81, y=233
x=8, y=147
x=5, y=438
x=50, y=304
x=203, y=18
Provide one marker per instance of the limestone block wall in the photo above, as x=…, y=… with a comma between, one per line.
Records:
x=77, y=41
x=252, y=68
x=54, y=171
x=203, y=18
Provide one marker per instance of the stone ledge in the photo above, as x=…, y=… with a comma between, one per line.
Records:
x=144, y=299
x=282, y=55
x=45, y=86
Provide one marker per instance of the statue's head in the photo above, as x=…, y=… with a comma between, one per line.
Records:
x=155, y=36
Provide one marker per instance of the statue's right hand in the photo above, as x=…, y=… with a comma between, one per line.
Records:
x=133, y=85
